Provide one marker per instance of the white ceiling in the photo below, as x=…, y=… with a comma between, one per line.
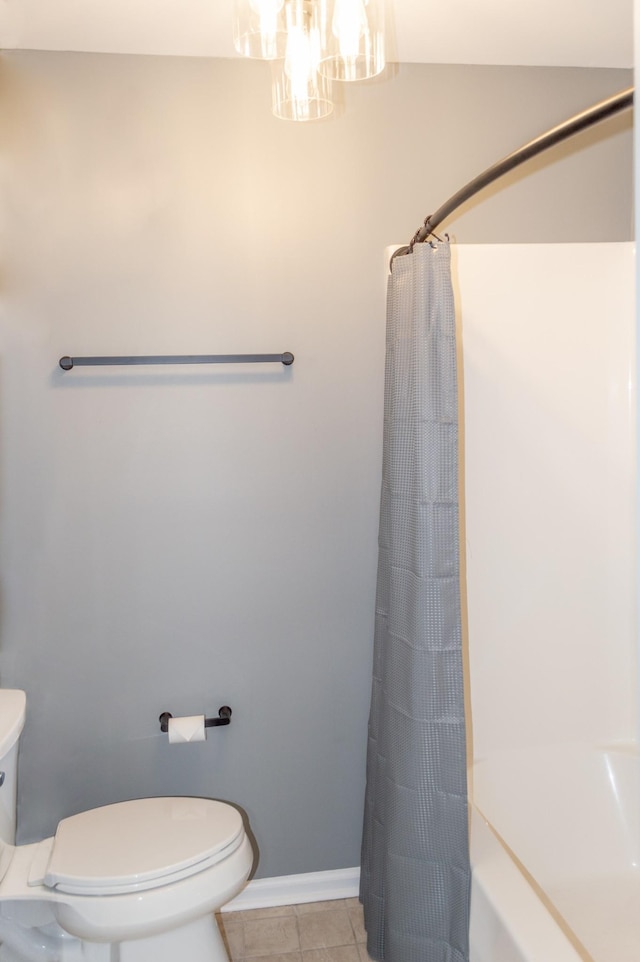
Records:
x=589, y=33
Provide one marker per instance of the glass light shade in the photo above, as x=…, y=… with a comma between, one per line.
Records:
x=352, y=38
x=299, y=92
x=259, y=29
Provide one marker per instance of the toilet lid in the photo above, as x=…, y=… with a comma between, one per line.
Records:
x=139, y=844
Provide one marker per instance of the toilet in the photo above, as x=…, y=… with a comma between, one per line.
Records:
x=136, y=881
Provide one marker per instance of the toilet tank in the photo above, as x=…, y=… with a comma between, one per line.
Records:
x=13, y=705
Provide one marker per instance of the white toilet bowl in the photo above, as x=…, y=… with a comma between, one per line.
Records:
x=136, y=881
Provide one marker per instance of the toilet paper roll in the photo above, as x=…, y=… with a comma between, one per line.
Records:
x=188, y=728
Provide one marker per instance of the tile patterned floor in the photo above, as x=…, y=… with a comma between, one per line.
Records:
x=315, y=932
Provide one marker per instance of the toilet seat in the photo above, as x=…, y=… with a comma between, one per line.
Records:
x=137, y=845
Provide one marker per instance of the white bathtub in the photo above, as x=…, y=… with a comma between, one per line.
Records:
x=556, y=856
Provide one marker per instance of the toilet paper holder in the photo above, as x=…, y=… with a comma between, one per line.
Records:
x=224, y=718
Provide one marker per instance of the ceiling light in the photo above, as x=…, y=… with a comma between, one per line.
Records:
x=311, y=42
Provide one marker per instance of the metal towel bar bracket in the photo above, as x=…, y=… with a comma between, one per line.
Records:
x=224, y=718
x=68, y=363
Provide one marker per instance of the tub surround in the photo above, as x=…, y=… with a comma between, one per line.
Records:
x=570, y=814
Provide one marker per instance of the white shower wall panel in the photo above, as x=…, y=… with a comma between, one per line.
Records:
x=548, y=390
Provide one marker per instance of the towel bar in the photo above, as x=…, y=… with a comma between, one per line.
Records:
x=68, y=363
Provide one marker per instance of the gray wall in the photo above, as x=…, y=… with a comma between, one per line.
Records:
x=182, y=539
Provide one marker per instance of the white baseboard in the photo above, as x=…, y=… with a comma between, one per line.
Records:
x=261, y=893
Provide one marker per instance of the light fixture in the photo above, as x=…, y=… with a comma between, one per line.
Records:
x=259, y=29
x=352, y=39
x=299, y=91
x=312, y=42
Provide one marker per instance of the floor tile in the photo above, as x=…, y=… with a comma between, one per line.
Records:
x=326, y=928
x=232, y=935
x=274, y=936
x=305, y=908
x=339, y=953
x=327, y=931
x=356, y=914
x=287, y=957
x=272, y=912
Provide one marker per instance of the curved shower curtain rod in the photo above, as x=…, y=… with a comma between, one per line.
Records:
x=600, y=111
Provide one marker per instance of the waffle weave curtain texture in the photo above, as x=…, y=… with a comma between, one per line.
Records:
x=415, y=874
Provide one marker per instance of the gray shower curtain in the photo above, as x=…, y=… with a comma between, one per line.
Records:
x=415, y=873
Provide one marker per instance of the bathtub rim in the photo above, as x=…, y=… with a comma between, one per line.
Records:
x=521, y=911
